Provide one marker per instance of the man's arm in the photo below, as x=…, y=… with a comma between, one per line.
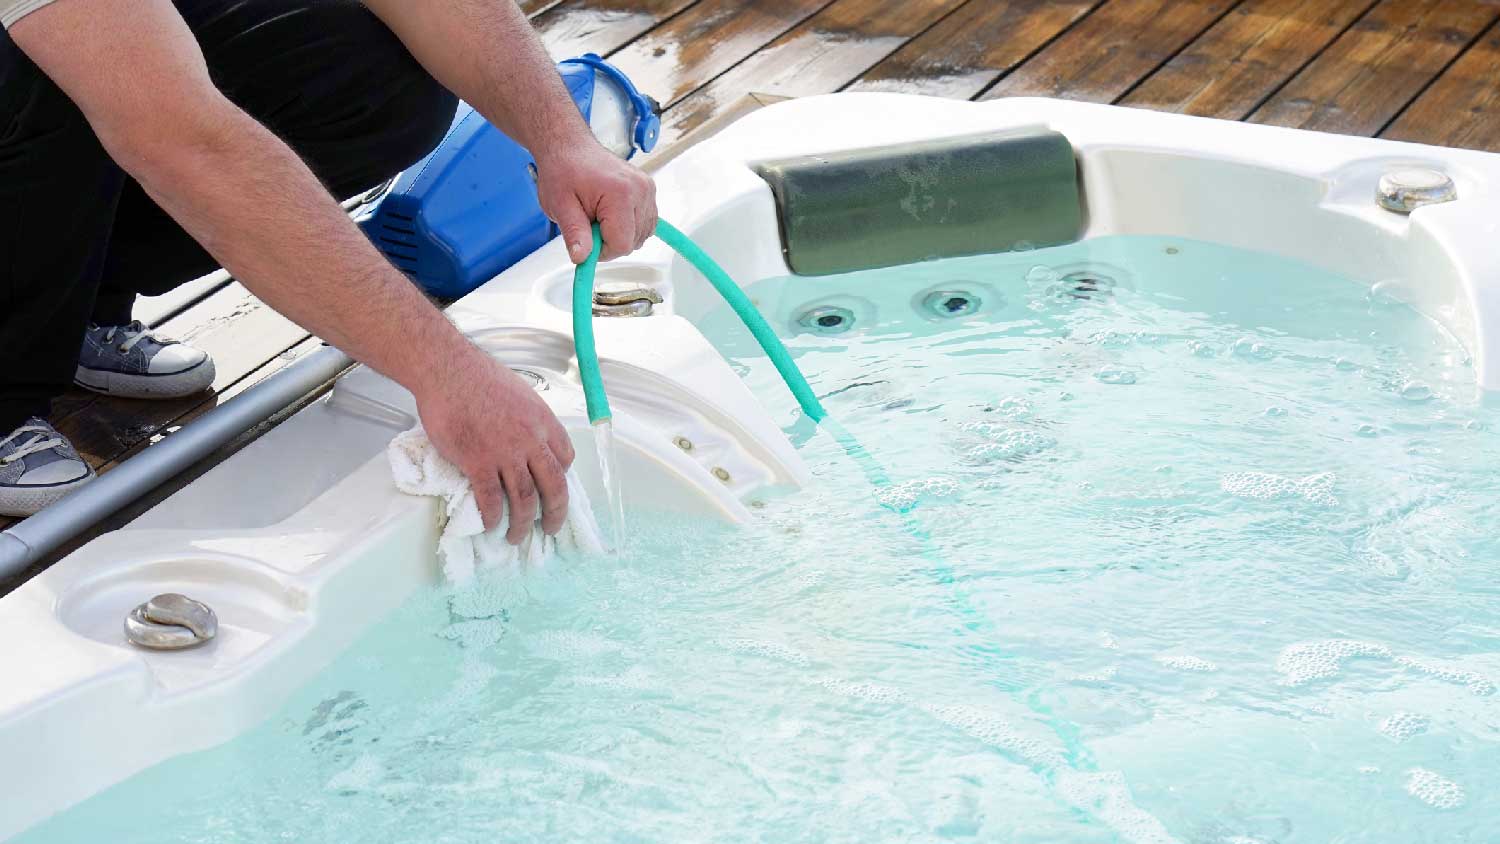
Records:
x=486, y=52
x=135, y=70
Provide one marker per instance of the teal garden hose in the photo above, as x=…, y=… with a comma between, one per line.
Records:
x=583, y=324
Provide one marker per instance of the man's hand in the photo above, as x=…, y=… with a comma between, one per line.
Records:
x=486, y=52
x=581, y=185
x=490, y=423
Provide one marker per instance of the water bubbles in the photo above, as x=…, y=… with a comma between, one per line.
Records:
x=1308, y=661
x=1415, y=391
x=1011, y=407
x=1111, y=339
x=997, y=732
x=904, y=496
x=1402, y=726
x=1434, y=789
x=1251, y=349
x=1203, y=349
x=1115, y=375
x=1263, y=486
x=1187, y=663
x=1476, y=683
x=1004, y=443
x=869, y=692
x=768, y=650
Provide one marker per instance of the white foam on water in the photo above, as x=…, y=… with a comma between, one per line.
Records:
x=482, y=599
x=769, y=650
x=1103, y=675
x=908, y=494
x=1004, y=443
x=1307, y=661
x=872, y=692
x=1106, y=796
x=1263, y=486
x=994, y=730
x=1434, y=789
x=1403, y=725
x=1476, y=683
x=1186, y=663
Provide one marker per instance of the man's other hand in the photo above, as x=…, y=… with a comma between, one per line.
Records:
x=586, y=183
x=492, y=425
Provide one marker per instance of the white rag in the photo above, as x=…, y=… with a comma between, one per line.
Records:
x=465, y=547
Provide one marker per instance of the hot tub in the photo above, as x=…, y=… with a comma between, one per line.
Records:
x=1178, y=533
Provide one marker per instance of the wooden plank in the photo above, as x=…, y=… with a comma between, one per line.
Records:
x=1246, y=57
x=156, y=310
x=709, y=38
x=1366, y=77
x=821, y=55
x=1462, y=108
x=239, y=331
x=1107, y=53
x=968, y=50
x=722, y=118
x=307, y=346
x=575, y=27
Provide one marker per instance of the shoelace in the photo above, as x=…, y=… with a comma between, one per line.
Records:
x=44, y=441
x=133, y=333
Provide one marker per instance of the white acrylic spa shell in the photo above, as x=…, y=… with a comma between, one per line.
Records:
x=300, y=541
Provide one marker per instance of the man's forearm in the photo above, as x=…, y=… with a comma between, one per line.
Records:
x=486, y=52
x=258, y=209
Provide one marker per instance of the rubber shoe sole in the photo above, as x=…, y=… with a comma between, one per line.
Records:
x=170, y=386
x=28, y=500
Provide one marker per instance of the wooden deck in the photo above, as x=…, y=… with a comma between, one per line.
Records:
x=1415, y=70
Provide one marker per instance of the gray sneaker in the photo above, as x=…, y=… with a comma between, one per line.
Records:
x=38, y=466
x=130, y=361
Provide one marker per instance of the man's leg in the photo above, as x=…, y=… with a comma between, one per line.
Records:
x=328, y=78
x=58, y=192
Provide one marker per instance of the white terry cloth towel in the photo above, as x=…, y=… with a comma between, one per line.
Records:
x=465, y=547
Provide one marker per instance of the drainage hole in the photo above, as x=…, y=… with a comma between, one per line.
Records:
x=1087, y=285
x=828, y=320
x=951, y=303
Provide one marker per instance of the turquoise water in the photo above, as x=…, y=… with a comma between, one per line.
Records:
x=1211, y=559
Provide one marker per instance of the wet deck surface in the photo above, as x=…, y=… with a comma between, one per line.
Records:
x=1412, y=70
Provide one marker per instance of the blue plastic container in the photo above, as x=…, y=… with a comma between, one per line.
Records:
x=469, y=210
